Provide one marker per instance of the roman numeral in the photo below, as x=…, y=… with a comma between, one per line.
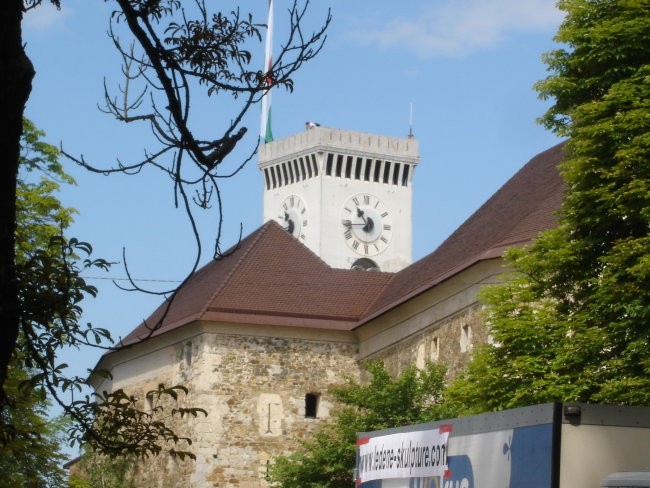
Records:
x=365, y=248
x=348, y=235
x=384, y=214
x=366, y=199
x=356, y=201
x=387, y=227
x=384, y=240
x=304, y=223
x=355, y=245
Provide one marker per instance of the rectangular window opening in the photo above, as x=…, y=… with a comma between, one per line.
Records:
x=339, y=165
x=303, y=171
x=357, y=169
x=266, y=178
x=386, y=172
x=328, y=164
x=377, y=171
x=348, y=166
x=405, y=175
x=366, y=174
x=314, y=164
x=396, y=169
x=311, y=405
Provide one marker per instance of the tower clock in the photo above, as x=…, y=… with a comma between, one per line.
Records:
x=345, y=195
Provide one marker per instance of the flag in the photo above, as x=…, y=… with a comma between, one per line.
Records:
x=265, y=129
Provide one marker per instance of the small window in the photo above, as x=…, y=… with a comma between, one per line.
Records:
x=330, y=162
x=405, y=175
x=273, y=178
x=311, y=405
x=266, y=177
x=296, y=170
x=386, y=172
x=313, y=162
x=339, y=165
x=396, y=173
x=284, y=172
x=435, y=349
x=366, y=174
x=465, y=338
x=290, y=172
x=303, y=172
x=348, y=167
x=377, y=171
x=187, y=353
x=357, y=169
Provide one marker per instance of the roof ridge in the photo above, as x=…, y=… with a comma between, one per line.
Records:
x=245, y=252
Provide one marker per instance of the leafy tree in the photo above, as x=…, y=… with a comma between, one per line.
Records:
x=100, y=471
x=574, y=324
x=383, y=402
x=51, y=290
x=178, y=51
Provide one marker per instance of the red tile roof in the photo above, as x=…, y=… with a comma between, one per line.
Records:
x=271, y=278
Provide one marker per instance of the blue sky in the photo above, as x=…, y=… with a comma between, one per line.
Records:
x=466, y=66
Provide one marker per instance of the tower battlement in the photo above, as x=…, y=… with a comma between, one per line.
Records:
x=349, y=142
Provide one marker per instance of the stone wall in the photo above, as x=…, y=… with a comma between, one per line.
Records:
x=449, y=341
x=254, y=389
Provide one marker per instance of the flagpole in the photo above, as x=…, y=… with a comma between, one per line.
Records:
x=265, y=128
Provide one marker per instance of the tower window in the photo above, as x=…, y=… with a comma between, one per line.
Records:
x=311, y=405
x=284, y=172
x=187, y=353
x=313, y=162
x=348, y=167
x=357, y=169
x=377, y=170
x=297, y=171
x=386, y=171
x=303, y=172
x=405, y=175
x=330, y=162
x=339, y=165
x=366, y=174
x=273, y=177
x=290, y=171
x=396, y=169
x=266, y=178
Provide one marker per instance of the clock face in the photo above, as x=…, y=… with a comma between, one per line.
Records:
x=293, y=216
x=366, y=224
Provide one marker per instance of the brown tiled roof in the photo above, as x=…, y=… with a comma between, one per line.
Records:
x=271, y=278
x=523, y=207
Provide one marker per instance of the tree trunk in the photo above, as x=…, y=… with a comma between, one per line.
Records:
x=16, y=73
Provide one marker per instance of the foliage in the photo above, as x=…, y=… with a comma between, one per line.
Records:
x=177, y=51
x=51, y=290
x=575, y=323
x=383, y=402
x=34, y=458
x=100, y=471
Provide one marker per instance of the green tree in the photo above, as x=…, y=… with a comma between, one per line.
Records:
x=574, y=323
x=100, y=471
x=176, y=54
x=328, y=459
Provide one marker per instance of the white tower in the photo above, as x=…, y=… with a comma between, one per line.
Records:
x=346, y=195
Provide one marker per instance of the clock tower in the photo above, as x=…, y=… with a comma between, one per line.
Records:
x=346, y=195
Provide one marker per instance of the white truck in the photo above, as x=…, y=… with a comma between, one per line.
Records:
x=554, y=445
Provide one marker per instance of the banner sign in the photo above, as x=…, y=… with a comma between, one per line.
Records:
x=403, y=455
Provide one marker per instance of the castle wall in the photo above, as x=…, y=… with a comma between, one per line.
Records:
x=254, y=389
x=442, y=324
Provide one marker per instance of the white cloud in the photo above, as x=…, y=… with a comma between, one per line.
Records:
x=460, y=27
x=46, y=16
